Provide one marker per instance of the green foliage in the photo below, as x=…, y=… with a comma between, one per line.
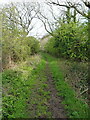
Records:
x=49, y=47
x=13, y=94
x=39, y=98
x=33, y=44
x=17, y=47
x=75, y=107
x=70, y=41
x=18, y=89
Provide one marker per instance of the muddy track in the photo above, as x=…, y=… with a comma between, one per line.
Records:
x=55, y=106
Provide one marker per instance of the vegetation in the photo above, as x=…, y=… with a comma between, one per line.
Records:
x=19, y=86
x=70, y=41
x=17, y=47
x=75, y=106
x=47, y=78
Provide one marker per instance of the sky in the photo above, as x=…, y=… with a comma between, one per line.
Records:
x=39, y=30
x=7, y=1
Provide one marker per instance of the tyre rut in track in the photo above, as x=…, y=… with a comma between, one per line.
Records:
x=55, y=106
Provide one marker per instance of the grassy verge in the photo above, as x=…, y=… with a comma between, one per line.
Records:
x=75, y=107
x=14, y=94
x=18, y=87
x=38, y=101
x=76, y=74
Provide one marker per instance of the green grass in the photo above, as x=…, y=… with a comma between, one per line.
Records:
x=15, y=93
x=38, y=106
x=74, y=106
x=18, y=87
x=26, y=93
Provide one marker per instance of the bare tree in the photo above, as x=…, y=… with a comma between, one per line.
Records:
x=87, y=3
x=22, y=14
x=51, y=25
x=46, y=23
x=48, y=18
x=77, y=6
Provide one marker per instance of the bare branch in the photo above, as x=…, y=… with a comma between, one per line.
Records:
x=84, y=91
x=22, y=14
x=44, y=23
x=73, y=5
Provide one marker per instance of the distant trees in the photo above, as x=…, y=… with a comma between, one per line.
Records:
x=16, y=25
x=80, y=7
x=70, y=41
x=70, y=38
x=17, y=22
x=17, y=48
x=68, y=14
x=21, y=14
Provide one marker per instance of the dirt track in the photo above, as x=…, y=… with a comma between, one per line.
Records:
x=55, y=106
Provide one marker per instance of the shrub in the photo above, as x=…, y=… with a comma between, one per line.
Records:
x=70, y=41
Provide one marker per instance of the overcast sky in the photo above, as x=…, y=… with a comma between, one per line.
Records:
x=38, y=27
x=38, y=30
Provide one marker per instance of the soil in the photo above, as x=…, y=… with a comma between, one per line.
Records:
x=54, y=103
x=55, y=106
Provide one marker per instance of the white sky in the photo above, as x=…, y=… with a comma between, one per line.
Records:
x=38, y=28
x=7, y=1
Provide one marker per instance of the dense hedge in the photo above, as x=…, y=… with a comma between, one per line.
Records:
x=16, y=46
x=69, y=41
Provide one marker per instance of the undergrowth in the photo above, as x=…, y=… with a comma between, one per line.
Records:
x=25, y=92
x=75, y=107
x=17, y=88
x=37, y=106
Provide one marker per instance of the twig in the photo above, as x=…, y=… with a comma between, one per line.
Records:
x=84, y=91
